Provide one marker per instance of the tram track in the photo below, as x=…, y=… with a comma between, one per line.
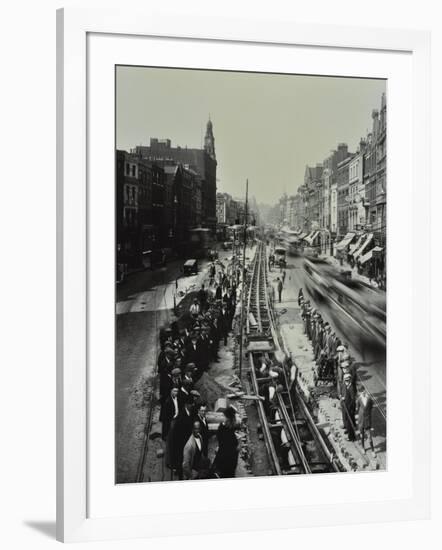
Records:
x=294, y=443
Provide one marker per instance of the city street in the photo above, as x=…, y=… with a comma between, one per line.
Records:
x=188, y=186
x=370, y=361
x=141, y=309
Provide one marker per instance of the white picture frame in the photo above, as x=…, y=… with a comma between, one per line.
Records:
x=75, y=218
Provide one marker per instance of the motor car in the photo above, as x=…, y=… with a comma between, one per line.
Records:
x=190, y=267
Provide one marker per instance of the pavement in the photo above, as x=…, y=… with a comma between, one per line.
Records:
x=371, y=372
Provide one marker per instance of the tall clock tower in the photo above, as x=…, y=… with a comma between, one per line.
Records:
x=209, y=140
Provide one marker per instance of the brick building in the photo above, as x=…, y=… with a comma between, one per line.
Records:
x=202, y=161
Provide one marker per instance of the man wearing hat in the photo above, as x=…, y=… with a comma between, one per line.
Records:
x=364, y=405
x=166, y=384
x=169, y=412
x=176, y=376
x=195, y=309
x=310, y=321
x=178, y=436
x=214, y=336
x=195, y=396
x=268, y=390
x=300, y=297
x=223, y=323
x=204, y=348
x=201, y=411
x=189, y=371
x=165, y=336
x=279, y=287
x=165, y=358
x=165, y=366
x=184, y=392
x=183, y=339
x=328, y=339
x=193, y=351
x=348, y=407
x=338, y=359
x=322, y=365
x=351, y=368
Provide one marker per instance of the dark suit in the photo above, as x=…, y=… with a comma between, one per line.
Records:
x=204, y=352
x=166, y=384
x=164, y=363
x=183, y=398
x=214, y=336
x=192, y=354
x=348, y=406
x=181, y=432
x=223, y=324
x=166, y=416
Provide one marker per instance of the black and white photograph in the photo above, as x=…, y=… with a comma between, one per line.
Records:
x=250, y=274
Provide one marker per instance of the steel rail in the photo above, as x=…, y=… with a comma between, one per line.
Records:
x=317, y=434
x=258, y=289
x=294, y=437
x=291, y=424
x=268, y=440
x=258, y=285
x=315, y=431
x=259, y=281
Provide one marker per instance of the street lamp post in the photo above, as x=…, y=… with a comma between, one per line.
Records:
x=241, y=329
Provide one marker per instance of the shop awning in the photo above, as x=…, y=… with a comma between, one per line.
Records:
x=311, y=237
x=360, y=251
x=356, y=245
x=371, y=254
x=345, y=241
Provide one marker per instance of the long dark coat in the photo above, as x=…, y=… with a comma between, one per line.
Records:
x=226, y=458
x=179, y=433
x=348, y=406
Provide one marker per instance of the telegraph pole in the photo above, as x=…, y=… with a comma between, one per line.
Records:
x=243, y=297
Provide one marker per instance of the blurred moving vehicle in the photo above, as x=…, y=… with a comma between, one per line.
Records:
x=212, y=254
x=310, y=252
x=280, y=256
x=156, y=258
x=348, y=299
x=200, y=242
x=290, y=240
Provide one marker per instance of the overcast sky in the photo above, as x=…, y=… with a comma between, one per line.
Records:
x=267, y=127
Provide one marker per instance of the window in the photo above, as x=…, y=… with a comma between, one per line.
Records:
x=133, y=170
x=127, y=169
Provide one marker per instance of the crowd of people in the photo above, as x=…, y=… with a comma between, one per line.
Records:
x=188, y=347
x=335, y=364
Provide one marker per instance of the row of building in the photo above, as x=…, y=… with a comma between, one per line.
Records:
x=231, y=212
x=162, y=193
x=347, y=192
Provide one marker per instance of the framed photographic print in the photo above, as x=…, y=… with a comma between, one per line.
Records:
x=238, y=308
